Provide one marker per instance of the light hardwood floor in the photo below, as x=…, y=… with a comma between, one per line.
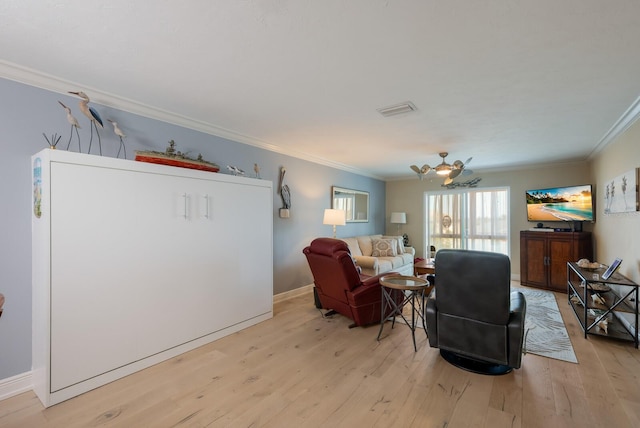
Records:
x=302, y=370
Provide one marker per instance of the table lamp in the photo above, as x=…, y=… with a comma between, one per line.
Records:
x=334, y=218
x=398, y=218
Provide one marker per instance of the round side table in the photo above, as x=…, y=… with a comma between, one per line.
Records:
x=414, y=291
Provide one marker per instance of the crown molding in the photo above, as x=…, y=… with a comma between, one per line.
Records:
x=52, y=83
x=626, y=120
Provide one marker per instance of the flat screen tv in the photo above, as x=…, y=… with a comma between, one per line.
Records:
x=572, y=203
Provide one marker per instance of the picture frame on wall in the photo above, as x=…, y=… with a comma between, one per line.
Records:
x=621, y=193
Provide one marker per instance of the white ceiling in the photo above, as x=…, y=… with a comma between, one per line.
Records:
x=508, y=83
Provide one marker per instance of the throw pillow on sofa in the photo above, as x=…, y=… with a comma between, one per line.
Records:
x=400, y=243
x=384, y=248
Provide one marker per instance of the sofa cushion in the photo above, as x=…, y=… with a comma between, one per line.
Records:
x=384, y=248
x=366, y=244
x=396, y=262
x=354, y=247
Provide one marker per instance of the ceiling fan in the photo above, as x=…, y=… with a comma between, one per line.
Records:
x=450, y=171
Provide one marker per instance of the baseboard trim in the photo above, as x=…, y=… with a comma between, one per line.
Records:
x=281, y=297
x=292, y=293
x=15, y=385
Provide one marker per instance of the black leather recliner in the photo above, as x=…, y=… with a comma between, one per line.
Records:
x=475, y=319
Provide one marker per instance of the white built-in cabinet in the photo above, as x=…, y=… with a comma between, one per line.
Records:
x=134, y=263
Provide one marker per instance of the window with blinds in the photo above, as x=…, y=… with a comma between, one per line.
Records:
x=474, y=219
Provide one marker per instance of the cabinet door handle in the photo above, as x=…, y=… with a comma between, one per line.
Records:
x=206, y=210
x=186, y=199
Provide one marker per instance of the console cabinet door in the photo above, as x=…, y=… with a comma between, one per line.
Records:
x=560, y=252
x=535, y=262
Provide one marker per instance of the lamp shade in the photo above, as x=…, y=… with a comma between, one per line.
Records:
x=334, y=217
x=399, y=218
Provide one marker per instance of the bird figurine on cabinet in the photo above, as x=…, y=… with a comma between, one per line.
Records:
x=120, y=134
x=256, y=169
x=235, y=170
x=74, y=125
x=93, y=116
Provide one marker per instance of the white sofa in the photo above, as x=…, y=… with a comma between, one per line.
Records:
x=364, y=247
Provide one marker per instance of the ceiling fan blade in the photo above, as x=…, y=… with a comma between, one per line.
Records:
x=454, y=173
x=415, y=169
x=448, y=181
x=457, y=164
x=467, y=171
x=467, y=162
x=425, y=169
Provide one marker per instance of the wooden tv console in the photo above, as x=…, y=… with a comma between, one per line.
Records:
x=544, y=257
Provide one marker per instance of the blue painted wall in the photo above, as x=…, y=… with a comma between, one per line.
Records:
x=26, y=112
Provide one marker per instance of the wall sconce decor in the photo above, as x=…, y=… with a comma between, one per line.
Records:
x=283, y=190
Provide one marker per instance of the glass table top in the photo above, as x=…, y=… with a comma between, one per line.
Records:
x=404, y=282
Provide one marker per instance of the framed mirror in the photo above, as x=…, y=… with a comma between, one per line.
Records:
x=354, y=202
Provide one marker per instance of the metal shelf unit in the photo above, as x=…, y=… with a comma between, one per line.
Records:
x=622, y=296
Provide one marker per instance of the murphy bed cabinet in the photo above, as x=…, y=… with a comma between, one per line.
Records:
x=544, y=257
x=135, y=263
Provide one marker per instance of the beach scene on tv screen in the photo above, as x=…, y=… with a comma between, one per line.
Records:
x=560, y=204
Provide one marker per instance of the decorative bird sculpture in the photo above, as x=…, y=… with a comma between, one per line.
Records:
x=93, y=116
x=283, y=189
x=469, y=183
x=120, y=134
x=256, y=169
x=74, y=125
x=235, y=170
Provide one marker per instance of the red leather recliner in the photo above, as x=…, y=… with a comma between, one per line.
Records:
x=338, y=284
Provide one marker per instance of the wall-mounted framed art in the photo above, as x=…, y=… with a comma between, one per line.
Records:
x=621, y=193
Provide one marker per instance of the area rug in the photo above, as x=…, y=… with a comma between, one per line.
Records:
x=544, y=330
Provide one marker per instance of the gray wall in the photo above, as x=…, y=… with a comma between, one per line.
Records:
x=28, y=111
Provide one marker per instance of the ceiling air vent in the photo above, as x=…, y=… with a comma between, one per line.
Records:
x=394, y=110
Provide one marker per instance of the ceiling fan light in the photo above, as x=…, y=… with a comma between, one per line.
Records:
x=443, y=169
